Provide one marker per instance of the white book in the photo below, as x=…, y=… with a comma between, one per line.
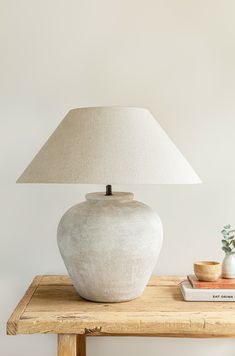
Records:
x=206, y=295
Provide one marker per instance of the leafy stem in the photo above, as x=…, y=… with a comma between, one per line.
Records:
x=228, y=240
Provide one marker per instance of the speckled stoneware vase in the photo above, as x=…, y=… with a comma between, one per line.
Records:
x=110, y=245
x=228, y=266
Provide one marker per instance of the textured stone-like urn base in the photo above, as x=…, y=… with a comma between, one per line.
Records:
x=110, y=245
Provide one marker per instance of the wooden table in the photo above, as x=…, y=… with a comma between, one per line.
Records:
x=51, y=305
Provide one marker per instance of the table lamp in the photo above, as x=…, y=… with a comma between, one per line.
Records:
x=110, y=242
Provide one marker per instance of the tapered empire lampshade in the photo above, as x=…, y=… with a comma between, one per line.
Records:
x=110, y=243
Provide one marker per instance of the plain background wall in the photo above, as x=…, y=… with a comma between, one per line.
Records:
x=175, y=57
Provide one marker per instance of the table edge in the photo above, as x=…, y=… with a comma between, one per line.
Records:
x=14, y=326
x=12, y=323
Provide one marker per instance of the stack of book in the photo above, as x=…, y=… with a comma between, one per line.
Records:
x=194, y=290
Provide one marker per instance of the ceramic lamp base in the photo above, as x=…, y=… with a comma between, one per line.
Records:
x=110, y=245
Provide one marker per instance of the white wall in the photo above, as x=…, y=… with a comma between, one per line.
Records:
x=175, y=57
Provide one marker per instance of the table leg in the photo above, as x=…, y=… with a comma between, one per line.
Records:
x=81, y=345
x=71, y=345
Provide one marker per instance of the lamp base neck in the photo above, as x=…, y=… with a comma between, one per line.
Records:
x=120, y=196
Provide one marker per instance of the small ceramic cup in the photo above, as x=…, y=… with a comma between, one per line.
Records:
x=208, y=271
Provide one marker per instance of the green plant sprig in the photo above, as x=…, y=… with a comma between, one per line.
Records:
x=228, y=241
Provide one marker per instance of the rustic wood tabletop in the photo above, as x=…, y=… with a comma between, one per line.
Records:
x=52, y=305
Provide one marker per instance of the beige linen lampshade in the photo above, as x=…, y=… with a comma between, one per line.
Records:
x=109, y=145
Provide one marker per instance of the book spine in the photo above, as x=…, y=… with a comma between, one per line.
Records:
x=209, y=296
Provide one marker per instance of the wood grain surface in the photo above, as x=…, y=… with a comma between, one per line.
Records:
x=71, y=345
x=54, y=306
